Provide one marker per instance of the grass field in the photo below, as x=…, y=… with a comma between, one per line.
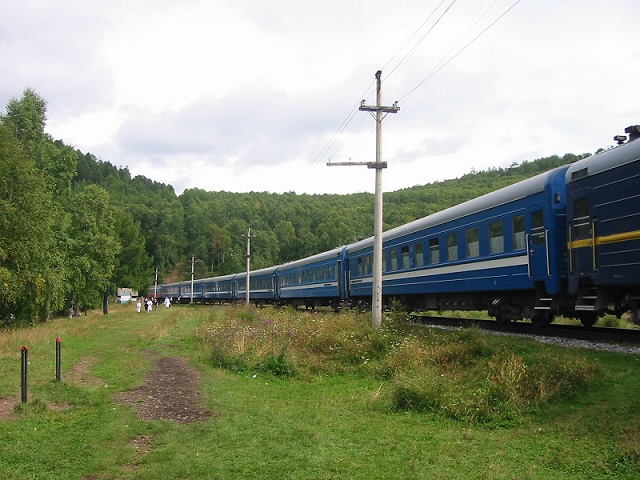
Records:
x=297, y=395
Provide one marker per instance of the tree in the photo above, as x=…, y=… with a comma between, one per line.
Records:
x=220, y=244
x=133, y=267
x=28, y=117
x=93, y=247
x=31, y=263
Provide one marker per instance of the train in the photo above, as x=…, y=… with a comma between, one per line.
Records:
x=565, y=242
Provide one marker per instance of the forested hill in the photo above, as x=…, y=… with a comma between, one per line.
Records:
x=211, y=226
x=74, y=227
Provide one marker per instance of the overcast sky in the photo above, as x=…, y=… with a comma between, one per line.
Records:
x=258, y=95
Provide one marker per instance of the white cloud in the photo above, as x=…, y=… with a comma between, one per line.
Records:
x=249, y=95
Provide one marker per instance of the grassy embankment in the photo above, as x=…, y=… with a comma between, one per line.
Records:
x=303, y=395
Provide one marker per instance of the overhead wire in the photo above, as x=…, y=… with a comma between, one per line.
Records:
x=411, y=38
x=332, y=141
x=398, y=68
x=366, y=95
x=401, y=64
x=442, y=64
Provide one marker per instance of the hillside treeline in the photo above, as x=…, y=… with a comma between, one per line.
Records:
x=74, y=227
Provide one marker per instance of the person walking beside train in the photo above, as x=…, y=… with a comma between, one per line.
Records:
x=138, y=305
x=167, y=302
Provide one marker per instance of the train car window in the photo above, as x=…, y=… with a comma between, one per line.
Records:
x=537, y=227
x=496, y=237
x=434, y=250
x=419, y=255
x=406, y=260
x=367, y=265
x=452, y=246
x=518, y=232
x=473, y=243
x=360, y=266
x=581, y=223
x=394, y=259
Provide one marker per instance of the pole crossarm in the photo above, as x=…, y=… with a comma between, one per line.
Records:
x=374, y=108
x=367, y=164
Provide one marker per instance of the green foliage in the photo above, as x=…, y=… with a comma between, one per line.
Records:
x=31, y=270
x=56, y=247
x=93, y=246
x=464, y=375
x=133, y=266
x=75, y=227
x=266, y=425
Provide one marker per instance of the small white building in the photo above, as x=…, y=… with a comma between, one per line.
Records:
x=126, y=294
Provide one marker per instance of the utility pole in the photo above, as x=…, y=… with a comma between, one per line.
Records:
x=155, y=285
x=380, y=113
x=193, y=262
x=248, y=262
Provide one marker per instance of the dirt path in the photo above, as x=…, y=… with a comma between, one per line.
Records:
x=7, y=404
x=169, y=391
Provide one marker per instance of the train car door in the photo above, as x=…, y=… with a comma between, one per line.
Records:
x=581, y=241
x=538, y=244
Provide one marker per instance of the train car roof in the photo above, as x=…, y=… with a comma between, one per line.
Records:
x=494, y=199
x=606, y=160
x=261, y=271
x=221, y=278
x=336, y=252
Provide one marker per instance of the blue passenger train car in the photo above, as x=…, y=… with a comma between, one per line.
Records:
x=495, y=252
x=314, y=281
x=262, y=286
x=174, y=291
x=219, y=289
x=604, y=231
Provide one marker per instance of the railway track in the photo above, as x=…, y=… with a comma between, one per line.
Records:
x=621, y=336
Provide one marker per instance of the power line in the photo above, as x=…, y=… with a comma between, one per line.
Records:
x=410, y=38
x=332, y=141
x=401, y=64
x=398, y=68
x=441, y=65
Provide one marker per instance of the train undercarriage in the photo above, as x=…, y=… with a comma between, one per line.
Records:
x=541, y=308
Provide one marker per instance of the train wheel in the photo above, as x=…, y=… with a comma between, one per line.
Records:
x=542, y=319
x=588, y=319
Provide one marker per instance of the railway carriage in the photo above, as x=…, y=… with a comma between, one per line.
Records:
x=219, y=289
x=604, y=231
x=189, y=296
x=501, y=252
x=314, y=281
x=174, y=291
x=262, y=286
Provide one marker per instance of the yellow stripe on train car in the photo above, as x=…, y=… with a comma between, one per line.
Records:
x=602, y=240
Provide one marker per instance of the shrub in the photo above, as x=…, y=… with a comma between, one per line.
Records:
x=462, y=374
